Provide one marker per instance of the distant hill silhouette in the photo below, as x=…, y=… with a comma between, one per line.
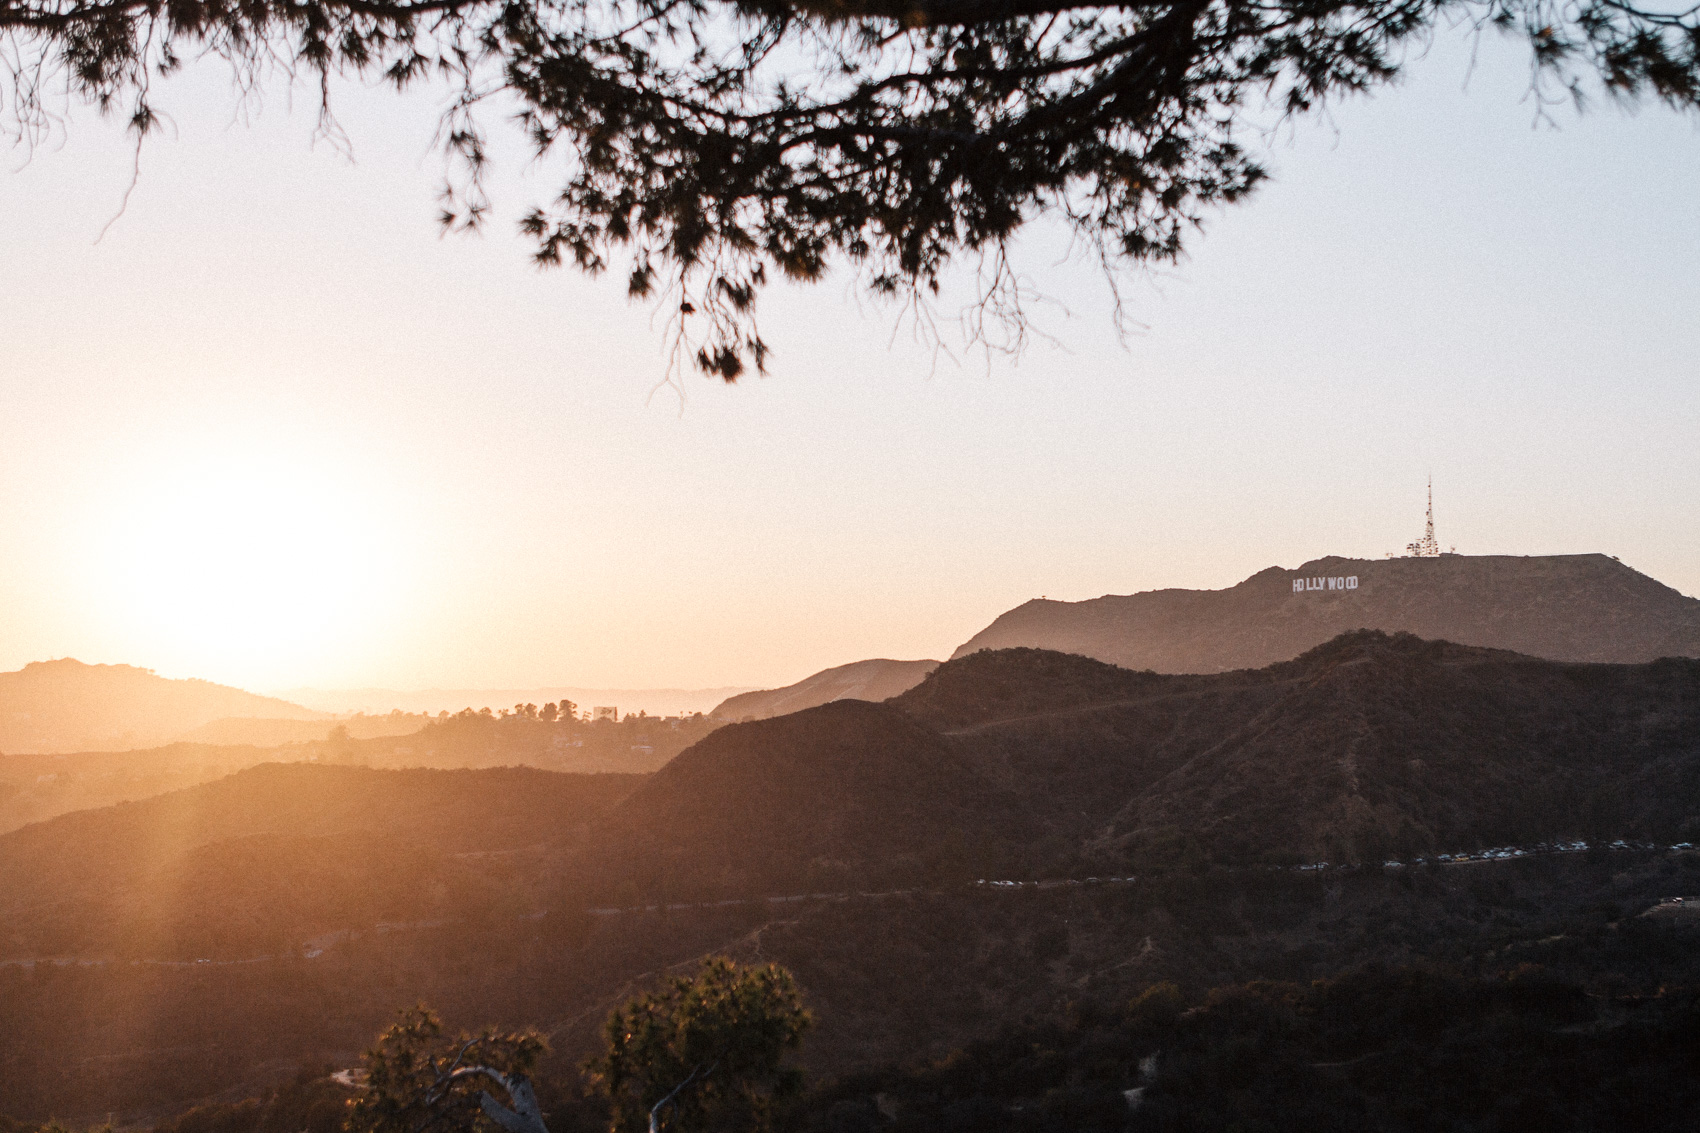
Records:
x=38, y=787
x=1369, y=746
x=1561, y=607
x=67, y=706
x=261, y=860
x=878, y=679
x=1005, y=684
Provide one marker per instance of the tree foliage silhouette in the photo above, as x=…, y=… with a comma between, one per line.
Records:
x=705, y=1052
x=417, y=1080
x=707, y=146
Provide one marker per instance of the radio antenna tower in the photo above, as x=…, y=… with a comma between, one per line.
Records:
x=1426, y=547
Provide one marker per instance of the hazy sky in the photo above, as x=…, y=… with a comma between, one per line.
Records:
x=273, y=431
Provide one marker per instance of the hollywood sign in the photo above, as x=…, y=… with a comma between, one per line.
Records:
x=1338, y=582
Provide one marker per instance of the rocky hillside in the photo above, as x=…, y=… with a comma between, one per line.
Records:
x=1563, y=607
x=878, y=679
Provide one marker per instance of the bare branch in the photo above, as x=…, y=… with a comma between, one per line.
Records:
x=673, y=1095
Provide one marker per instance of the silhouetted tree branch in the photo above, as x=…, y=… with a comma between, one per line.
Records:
x=706, y=146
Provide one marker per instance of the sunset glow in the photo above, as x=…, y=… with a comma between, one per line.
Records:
x=1115, y=566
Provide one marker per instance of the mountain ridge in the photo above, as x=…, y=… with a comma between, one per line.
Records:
x=1558, y=607
x=66, y=705
x=1369, y=745
x=878, y=678
x=1033, y=762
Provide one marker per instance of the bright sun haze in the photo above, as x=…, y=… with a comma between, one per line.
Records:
x=250, y=557
x=241, y=555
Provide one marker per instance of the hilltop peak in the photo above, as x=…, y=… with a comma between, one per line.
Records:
x=70, y=666
x=879, y=678
x=65, y=705
x=1375, y=644
x=1587, y=607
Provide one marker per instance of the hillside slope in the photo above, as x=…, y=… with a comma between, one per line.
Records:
x=878, y=679
x=1561, y=607
x=34, y=788
x=261, y=860
x=67, y=706
x=1367, y=746
x=844, y=795
x=1395, y=746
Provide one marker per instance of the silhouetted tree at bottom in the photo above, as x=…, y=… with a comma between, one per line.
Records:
x=706, y=1052
x=417, y=1081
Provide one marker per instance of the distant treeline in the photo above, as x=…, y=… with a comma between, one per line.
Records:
x=554, y=736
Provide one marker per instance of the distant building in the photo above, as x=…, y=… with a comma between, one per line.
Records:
x=610, y=714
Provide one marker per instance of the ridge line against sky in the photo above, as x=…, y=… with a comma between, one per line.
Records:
x=271, y=432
